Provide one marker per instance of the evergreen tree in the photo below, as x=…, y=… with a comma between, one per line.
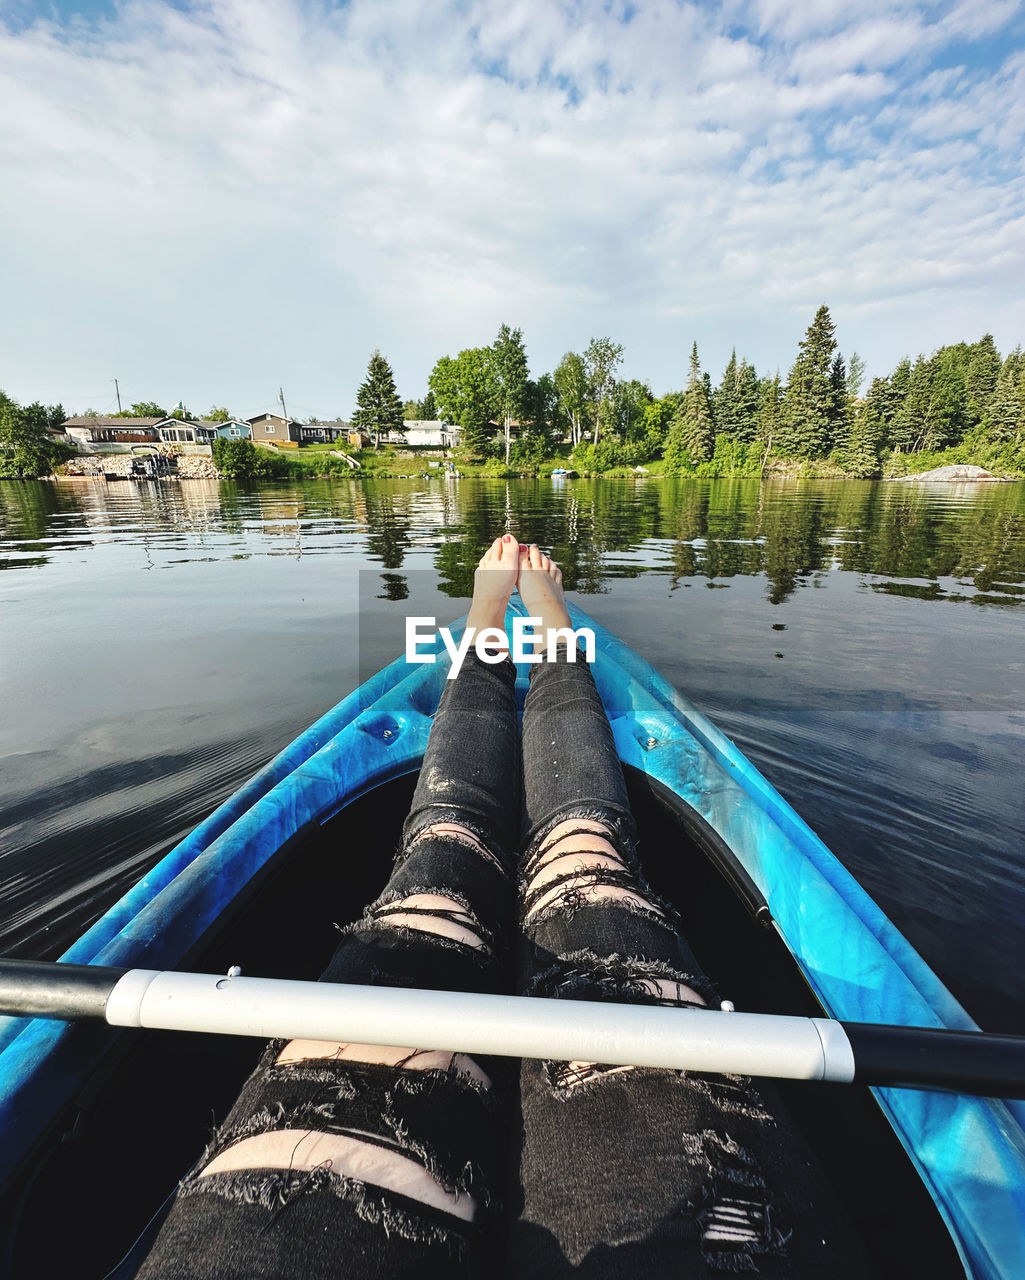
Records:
x=900, y=385
x=840, y=411
x=1005, y=412
x=748, y=396
x=907, y=427
x=427, y=408
x=769, y=418
x=378, y=407
x=808, y=407
x=945, y=417
x=735, y=401
x=691, y=433
x=724, y=397
x=858, y=450
x=981, y=378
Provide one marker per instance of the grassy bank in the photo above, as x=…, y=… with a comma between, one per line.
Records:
x=395, y=462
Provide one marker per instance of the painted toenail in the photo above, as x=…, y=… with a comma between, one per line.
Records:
x=507, y=538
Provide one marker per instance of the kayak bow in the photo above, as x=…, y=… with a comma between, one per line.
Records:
x=968, y=1151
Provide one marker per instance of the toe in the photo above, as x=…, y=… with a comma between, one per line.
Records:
x=507, y=548
x=494, y=552
x=535, y=556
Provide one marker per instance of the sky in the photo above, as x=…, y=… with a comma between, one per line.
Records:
x=211, y=200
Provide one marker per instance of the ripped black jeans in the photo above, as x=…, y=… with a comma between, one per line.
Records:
x=350, y=1160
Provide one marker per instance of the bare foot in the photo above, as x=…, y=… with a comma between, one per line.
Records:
x=493, y=583
x=540, y=588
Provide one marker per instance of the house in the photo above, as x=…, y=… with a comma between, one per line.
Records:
x=430, y=434
x=322, y=432
x=179, y=431
x=233, y=429
x=272, y=428
x=89, y=430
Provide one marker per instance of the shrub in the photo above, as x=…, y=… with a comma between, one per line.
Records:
x=241, y=460
x=731, y=457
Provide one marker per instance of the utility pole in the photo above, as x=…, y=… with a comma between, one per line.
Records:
x=284, y=411
x=117, y=392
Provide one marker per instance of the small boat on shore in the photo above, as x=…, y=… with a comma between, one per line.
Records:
x=98, y=1123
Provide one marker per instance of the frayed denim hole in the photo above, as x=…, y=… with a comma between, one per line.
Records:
x=457, y=817
x=568, y=1078
x=369, y=934
x=571, y=900
x=465, y=1177
x=737, y=1217
x=545, y=852
x=396, y=1214
x=733, y=1095
x=618, y=829
x=391, y=904
x=586, y=975
x=570, y=903
x=381, y=1124
x=484, y=849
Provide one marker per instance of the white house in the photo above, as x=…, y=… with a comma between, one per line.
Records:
x=420, y=434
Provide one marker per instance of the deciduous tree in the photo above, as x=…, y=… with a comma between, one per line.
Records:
x=601, y=360
x=144, y=409
x=27, y=449
x=571, y=384
x=510, y=368
x=466, y=391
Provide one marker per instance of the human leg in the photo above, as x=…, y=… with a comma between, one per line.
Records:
x=623, y=1170
x=386, y=1160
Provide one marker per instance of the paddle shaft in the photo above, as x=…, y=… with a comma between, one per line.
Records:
x=618, y=1034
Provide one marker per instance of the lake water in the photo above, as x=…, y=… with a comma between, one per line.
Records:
x=863, y=643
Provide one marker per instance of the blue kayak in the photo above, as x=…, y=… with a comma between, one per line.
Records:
x=968, y=1152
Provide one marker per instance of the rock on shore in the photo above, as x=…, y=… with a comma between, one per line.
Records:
x=958, y=474
x=191, y=466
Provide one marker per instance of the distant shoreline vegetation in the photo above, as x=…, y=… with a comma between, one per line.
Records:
x=963, y=404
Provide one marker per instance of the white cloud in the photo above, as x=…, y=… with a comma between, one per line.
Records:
x=248, y=192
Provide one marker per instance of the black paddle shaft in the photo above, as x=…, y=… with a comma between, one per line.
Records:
x=41, y=989
x=932, y=1058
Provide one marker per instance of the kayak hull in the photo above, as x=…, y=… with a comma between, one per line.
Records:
x=969, y=1152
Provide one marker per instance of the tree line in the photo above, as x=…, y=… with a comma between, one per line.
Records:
x=964, y=396
x=28, y=447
